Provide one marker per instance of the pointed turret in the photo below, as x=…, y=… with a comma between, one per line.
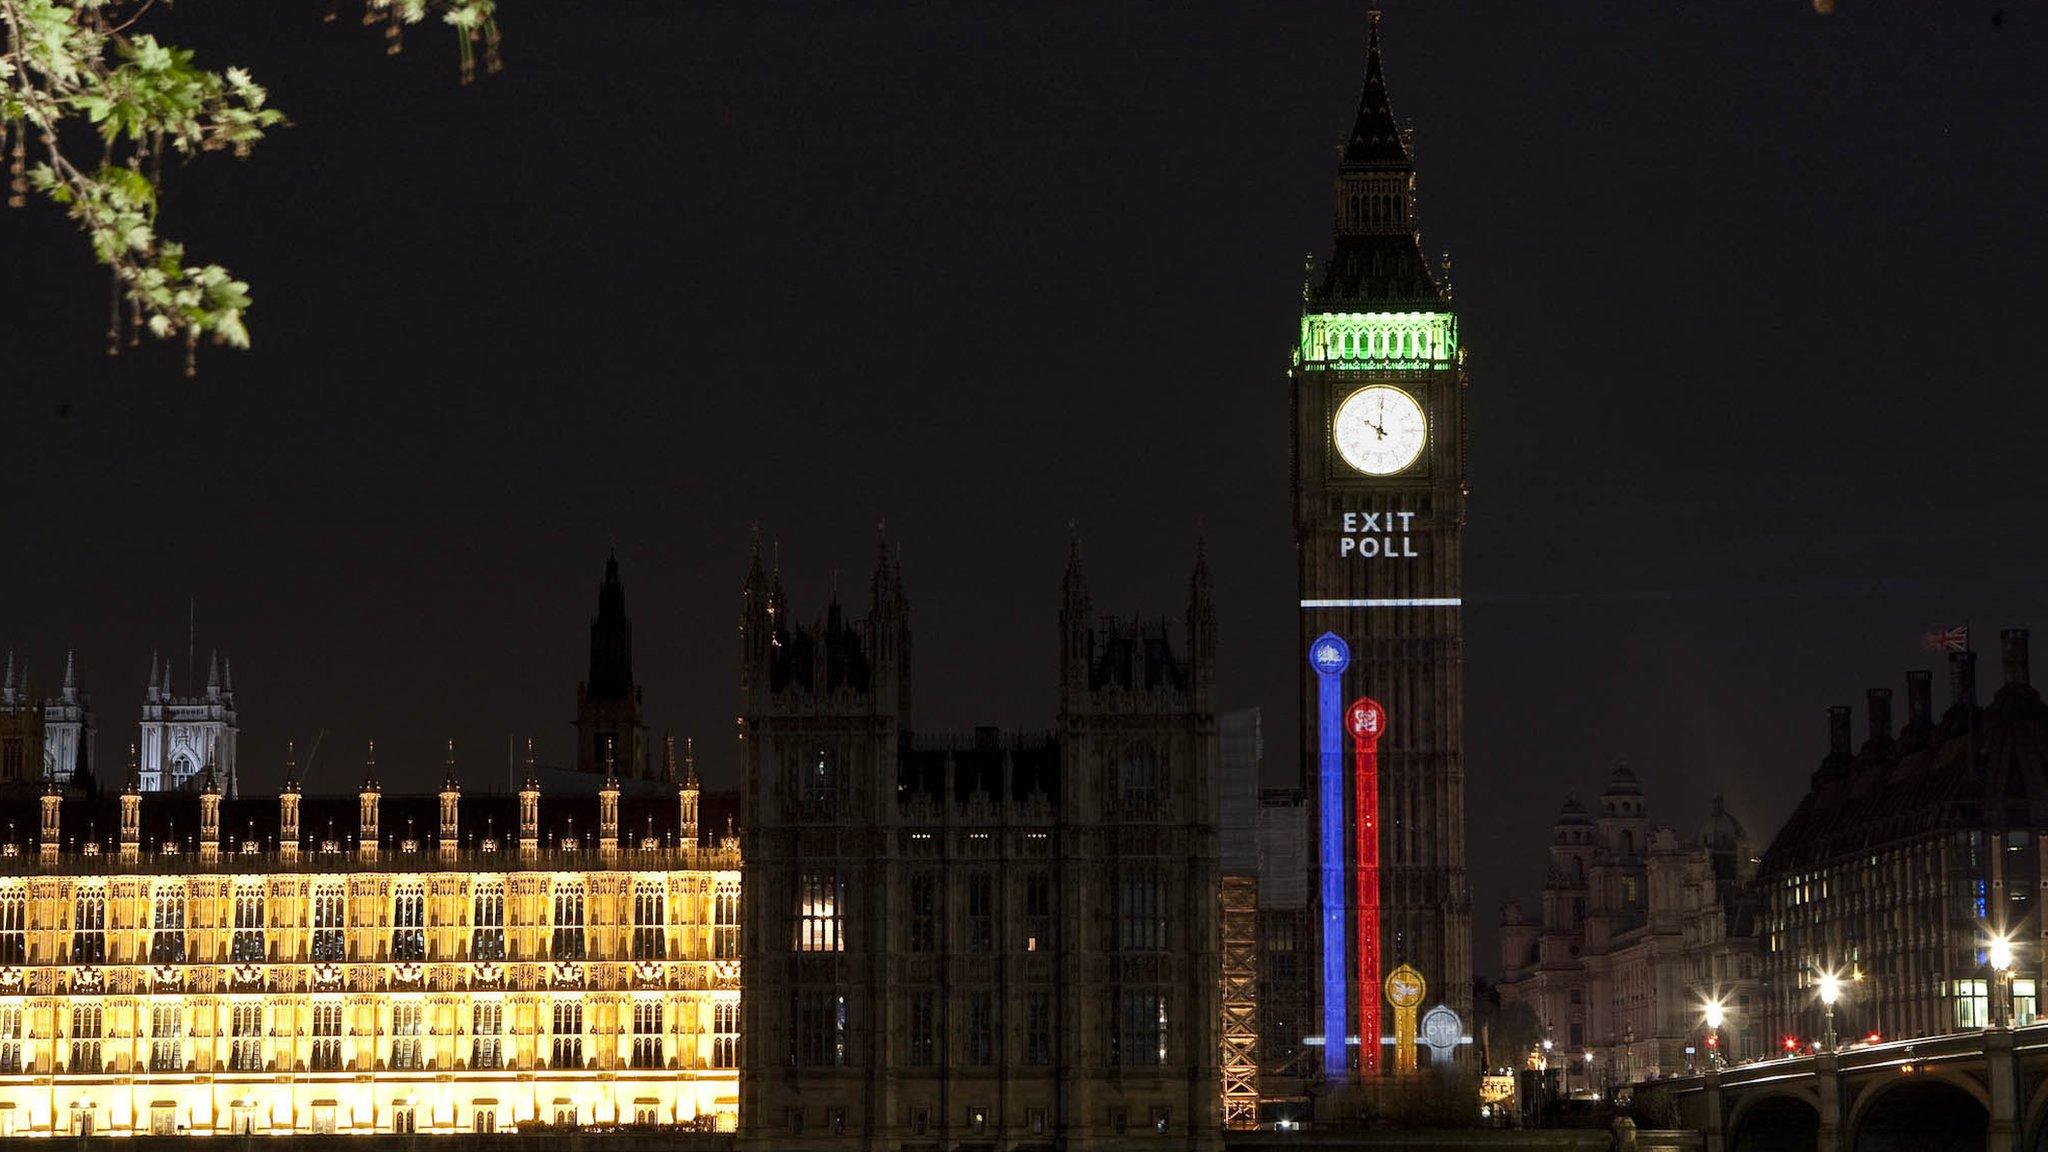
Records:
x=1076, y=611
x=608, y=703
x=70, y=676
x=227, y=679
x=7, y=685
x=1375, y=137
x=1202, y=620
x=288, y=805
x=213, y=676
x=451, y=805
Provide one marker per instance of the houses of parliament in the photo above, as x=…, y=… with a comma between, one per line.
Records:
x=888, y=937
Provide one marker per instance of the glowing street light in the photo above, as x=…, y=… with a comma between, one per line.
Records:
x=1999, y=953
x=1716, y=1014
x=1830, y=991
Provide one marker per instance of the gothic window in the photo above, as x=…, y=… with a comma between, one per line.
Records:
x=13, y=759
x=649, y=920
x=821, y=900
x=405, y=1036
x=330, y=924
x=647, y=1034
x=568, y=1035
x=568, y=941
x=167, y=1037
x=167, y=927
x=981, y=931
x=1038, y=1028
x=820, y=785
x=13, y=926
x=89, y=927
x=246, y=946
x=326, y=1036
x=409, y=923
x=981, y=1028
x=86, y=1021
x=1138, y=1038
x=725, y=921
x=181, y=771
x=923, y=911
x=1037, y=936
x=1142, y=908
x=486, y=1035
x=487, y=919
x=10, y=1039
x=1141, y=779
x=725, y=1034
x=924, y=1029
x=245, y=1050
x=820, y=1032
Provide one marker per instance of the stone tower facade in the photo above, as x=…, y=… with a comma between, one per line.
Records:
x=611, y=727
x=999, y=938
x=181, y=736
x=1378, y=390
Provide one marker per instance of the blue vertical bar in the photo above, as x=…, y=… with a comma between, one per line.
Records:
x=1329, y=656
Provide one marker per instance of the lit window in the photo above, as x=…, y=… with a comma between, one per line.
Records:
x=647, y=1046
x=820, y=922
x=86, y=1021
x=167, y=1037
x=330, y=923
x=405, y=1036
x=725, y=1034
x=568, y=1035
x=649, y=922
x=487, y=921
x=167, y=927
x=245, y=1053
x=409, y=923
x=326, y=1055
x=247, y=944
x=486, y=1035
x=89, y=927
x=568, y=939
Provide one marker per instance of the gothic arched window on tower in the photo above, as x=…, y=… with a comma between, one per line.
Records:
x=1140, y=779
x=820, y=786
x=821, y=903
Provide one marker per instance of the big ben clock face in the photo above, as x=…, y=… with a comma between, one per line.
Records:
x=1379, y=430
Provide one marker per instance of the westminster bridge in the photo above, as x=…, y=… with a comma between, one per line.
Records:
x=1972, y=1090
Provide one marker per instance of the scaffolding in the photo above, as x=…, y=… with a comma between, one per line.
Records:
x=1240, y=1002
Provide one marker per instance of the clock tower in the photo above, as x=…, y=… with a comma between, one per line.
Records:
x=1378, y=391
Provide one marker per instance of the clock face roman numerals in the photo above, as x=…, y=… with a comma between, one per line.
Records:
x=1379, y=430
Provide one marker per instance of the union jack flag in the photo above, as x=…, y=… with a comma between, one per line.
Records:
x=1955, y=639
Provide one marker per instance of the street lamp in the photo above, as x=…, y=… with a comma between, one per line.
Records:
x=1830, y=991
x=1999, y=952
x=1716, y=1015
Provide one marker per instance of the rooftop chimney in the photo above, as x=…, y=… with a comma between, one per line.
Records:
x=1880, y=707
x=1962, y=679
x=1919, y=702
x=1838, y=731
x=2012, y=644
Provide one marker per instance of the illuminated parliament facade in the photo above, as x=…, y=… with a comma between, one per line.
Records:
x=188, y=963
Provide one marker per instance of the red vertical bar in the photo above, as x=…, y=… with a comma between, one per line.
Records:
x=1367, y=721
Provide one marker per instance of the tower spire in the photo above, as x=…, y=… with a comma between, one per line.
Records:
x=1375, y=137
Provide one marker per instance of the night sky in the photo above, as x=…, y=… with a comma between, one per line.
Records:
x=1750, y=295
